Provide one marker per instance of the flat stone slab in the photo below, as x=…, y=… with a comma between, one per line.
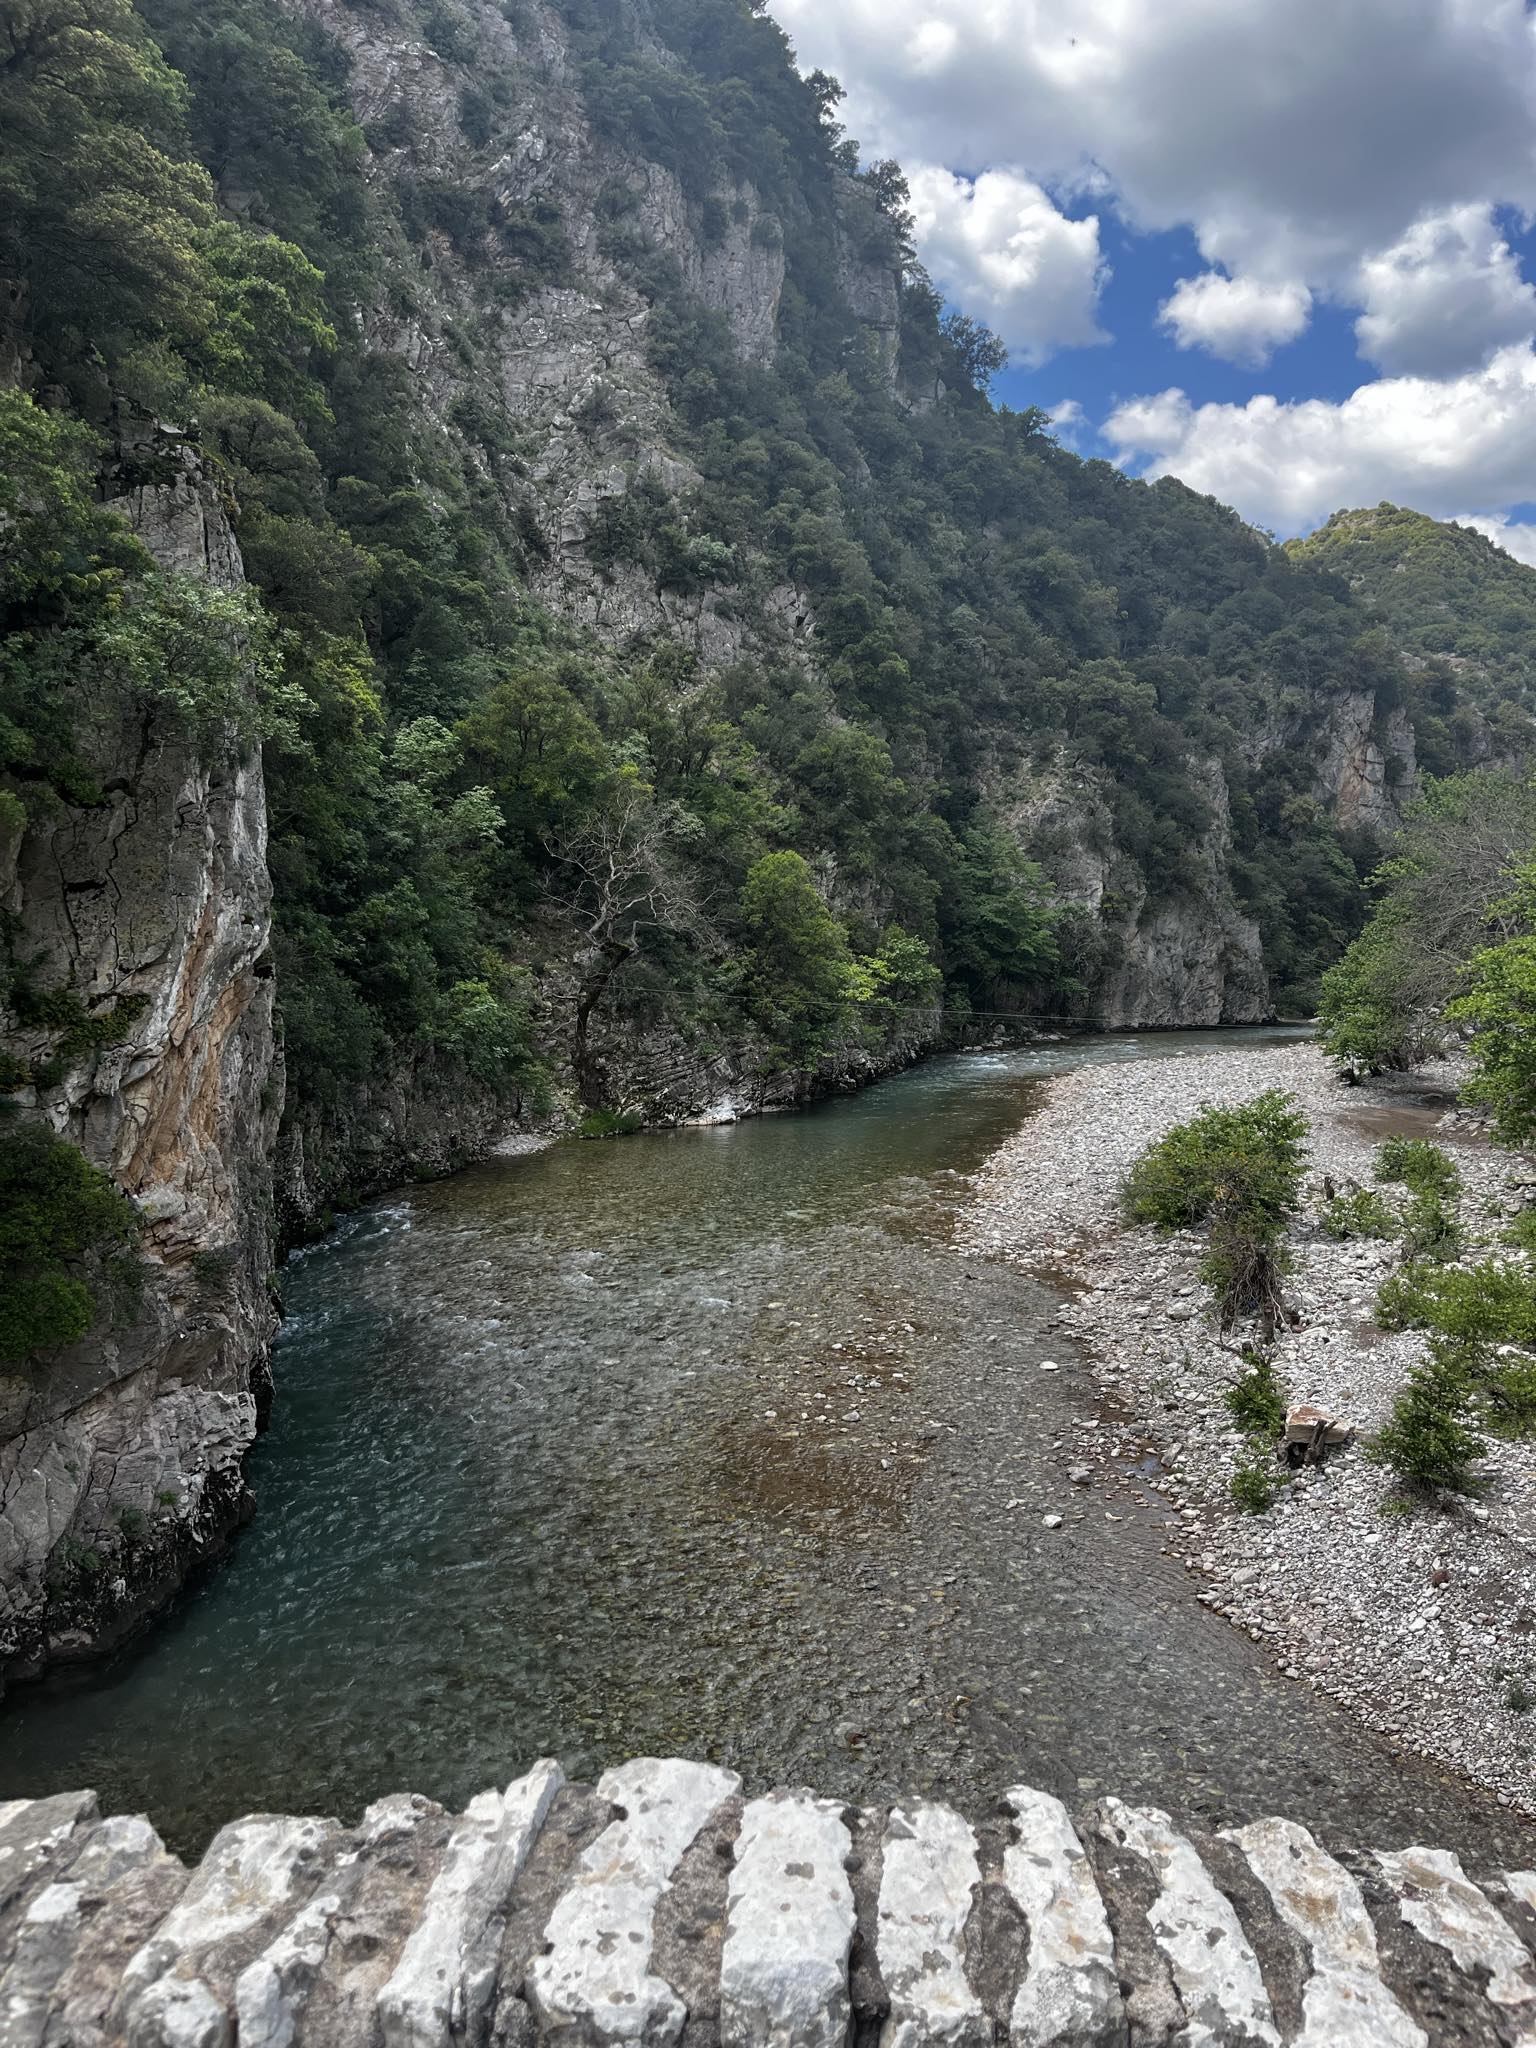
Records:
x=789, y=1927
x=1214, y=1969
x=928, y=1882
x=594, y=1984
x=1441, y=1902
x=446, y=1978
x=659, y=1910
x=1345, y=1998
x=177, y=1990
x=1070, y=1993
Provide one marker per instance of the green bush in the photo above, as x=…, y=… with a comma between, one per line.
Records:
x=610, y=1123
x=1238, y=1171
x=1417, y=1165
x=1360, y=1214
x=1473, y=1315
x=1429, y=1441
x=1431, y=1230
x=1254, y=1485
x=1251, y=1154
x=1521, y=1231
x=1255, y=1402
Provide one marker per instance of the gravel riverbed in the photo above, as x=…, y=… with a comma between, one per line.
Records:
x=1422, y=1623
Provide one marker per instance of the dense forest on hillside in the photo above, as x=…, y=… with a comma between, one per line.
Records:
x=1448, y=596
x=490, y=825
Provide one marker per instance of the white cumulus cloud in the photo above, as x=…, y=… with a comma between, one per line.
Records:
x=1444, y=297
x=1296, y=137
x=998, y=246
x=1440, y=445
x=1241, y=319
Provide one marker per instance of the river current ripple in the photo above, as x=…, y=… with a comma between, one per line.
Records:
x=704, y=1442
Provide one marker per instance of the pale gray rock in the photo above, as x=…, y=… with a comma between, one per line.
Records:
x=594, y=1984
x=48, y=1939
x=1070, y=1993
x=178, y=1989
x=34, y=1836
x=445, y=1980
x=789, y=1927
x=1214, y=1969
x=1440, y=1901
x=1345, y=1998
x=929, y=1876
x=120, y=1457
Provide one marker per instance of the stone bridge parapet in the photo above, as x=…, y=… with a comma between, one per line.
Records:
x=663, y=1909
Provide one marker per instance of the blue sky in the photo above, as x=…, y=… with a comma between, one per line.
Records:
x=1280, y=248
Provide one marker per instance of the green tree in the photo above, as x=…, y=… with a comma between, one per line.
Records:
x=100, y=219
x=1499, y=1012
x=798, y=979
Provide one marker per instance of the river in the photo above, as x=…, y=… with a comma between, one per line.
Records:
x=705, y=1442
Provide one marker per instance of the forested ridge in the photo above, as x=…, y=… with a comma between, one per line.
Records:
x=903, y=664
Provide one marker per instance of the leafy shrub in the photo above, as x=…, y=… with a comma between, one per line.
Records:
x=1431, y=1230
x=1521, y=1231
x=1238, y=1171
x=1429, y=1441
x=1255, y=1402
x=610, y=1123
x=1473, y=1315
x=1476, y=1306
x=1254, y=1485
x=1417, y=1165
x=1360, y=1214
x=1252, y=1153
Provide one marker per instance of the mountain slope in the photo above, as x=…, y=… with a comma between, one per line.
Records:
x=1450, y=599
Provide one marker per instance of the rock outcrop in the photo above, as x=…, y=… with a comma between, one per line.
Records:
x=662, y=1907
x=120, y=1458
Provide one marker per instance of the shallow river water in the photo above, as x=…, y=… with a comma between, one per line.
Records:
x=705, y=1442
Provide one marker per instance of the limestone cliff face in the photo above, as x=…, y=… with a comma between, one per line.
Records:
x=1368, y=766
x=120, y=1459
x=1185, y=955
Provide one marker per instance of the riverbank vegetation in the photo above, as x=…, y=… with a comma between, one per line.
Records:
x=1236, y=1171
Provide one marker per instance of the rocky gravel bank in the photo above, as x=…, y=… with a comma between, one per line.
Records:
x=1423, y=1623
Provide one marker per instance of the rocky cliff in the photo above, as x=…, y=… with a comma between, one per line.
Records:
x=120, y=1457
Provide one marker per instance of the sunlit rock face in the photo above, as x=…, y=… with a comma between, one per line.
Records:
x=120, y=1458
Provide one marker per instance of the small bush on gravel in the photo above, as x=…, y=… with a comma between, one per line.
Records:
x=1420, y=1167
x=1429, y=1442
x=1482, y=1327
x=1361, y=1214
x=1238, y=1171
x=1255, y=1402
x=1255, y=1485
x=1522, y=1231
x=1431, y=1230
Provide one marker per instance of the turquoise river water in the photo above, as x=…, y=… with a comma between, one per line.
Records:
x=704, y=1442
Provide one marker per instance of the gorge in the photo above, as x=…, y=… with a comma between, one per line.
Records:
x=542, y=444
x=522, y=619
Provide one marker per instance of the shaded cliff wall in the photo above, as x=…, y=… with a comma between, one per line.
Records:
x=120, y=1457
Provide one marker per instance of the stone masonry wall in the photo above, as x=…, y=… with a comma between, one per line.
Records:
x=663, y=1908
